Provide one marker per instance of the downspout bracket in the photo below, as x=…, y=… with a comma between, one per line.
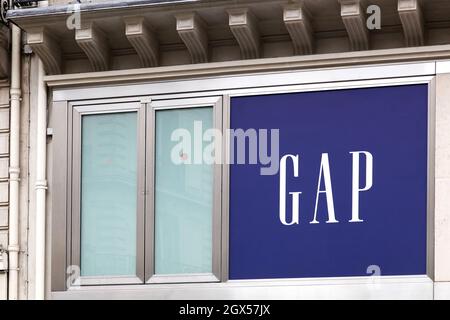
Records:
x=4, y=7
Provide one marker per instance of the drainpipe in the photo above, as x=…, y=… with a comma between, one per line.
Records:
x=14, y=166
x=41, y=182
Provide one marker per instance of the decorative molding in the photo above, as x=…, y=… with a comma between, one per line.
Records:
x=46, y=47
x=143, y=40
x=263, y=66
x=94, y=43
x=244, y=26
x=410, y=13
x=298, y=23
x=4, y=54
x=354, y=20
x=192, y=31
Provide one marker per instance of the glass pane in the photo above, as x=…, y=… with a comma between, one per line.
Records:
x=184, y=195
x=109, y=194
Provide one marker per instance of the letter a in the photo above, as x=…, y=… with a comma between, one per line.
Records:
x=325, y=169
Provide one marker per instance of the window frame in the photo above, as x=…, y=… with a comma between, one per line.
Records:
x=77, y=112
x=67, y=198
x=189, y=103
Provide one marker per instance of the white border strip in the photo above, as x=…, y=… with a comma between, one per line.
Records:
x=402, y=287
x=248, y=81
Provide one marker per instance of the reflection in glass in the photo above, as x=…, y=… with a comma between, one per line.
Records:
x=109, y=194
x=183, y=197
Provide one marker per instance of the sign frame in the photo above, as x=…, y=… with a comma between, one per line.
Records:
x=327, y=86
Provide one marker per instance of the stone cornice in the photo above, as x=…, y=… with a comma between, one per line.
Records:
x=251, y=66
x=191, y=30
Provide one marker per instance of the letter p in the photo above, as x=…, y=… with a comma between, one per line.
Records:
x=356, y=189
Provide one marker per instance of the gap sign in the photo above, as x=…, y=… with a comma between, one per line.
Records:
x=350, y=192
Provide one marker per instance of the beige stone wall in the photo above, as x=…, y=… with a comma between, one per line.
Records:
x=4, y=167
x=442, y=179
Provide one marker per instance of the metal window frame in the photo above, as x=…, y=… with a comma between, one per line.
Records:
x=77, y=112
x=71, y=133
x=269, y=83
x=153, y=107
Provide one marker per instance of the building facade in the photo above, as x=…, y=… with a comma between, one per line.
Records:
x=225, y=149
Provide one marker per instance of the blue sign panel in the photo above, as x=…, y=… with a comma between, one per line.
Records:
x=331, y=183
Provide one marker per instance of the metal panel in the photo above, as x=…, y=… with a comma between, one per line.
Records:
x=59, y=200
x=225, y=190
x=431, y=177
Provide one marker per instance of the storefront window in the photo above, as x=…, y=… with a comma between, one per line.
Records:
x=183, y=194
x=108, y=194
